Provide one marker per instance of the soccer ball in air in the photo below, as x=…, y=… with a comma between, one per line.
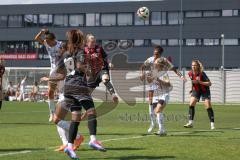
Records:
x=143, y=13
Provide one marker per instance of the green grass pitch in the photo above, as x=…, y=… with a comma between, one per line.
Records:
x=26, y=134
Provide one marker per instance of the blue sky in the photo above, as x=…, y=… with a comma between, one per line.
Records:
x=2, y=2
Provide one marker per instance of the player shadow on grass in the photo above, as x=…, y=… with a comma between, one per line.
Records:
x=139, y=157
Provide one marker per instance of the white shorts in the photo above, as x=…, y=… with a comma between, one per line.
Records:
x=165, y=97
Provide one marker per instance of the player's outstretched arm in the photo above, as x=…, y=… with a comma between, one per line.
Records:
x=179, y=74
x=56, y=78
x=38, y=37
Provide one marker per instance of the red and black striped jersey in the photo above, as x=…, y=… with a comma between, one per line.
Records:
x=201, y=77
x=96, y=58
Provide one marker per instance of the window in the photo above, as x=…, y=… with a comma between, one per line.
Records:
x=108, y=19
x=174, y=18
x=92, y=19
x=210, y=42
x=138, y=42
x=15, y=21
x=191, y=14
x=125, y=19
x=227, y=12
x=173, y=42
x=155, y=42
x=163, y=42
x=3, y=21
x=30, y=20
x=76, y=20
x=60, y=20
x=191, y=42
x=230, y=41
x=156, y=18
x=235, y=12
x=211, y=14
x=146, y=42
x=45, y=20
x=139, y=21
x=230, y=12
x=199, y=42
x=164, y=17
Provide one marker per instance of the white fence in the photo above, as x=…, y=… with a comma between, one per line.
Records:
x=225, y=85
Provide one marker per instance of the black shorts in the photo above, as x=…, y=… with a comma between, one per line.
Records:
x=198, y=95
x=74, y=104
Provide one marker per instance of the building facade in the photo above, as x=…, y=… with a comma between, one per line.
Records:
x=187, y=29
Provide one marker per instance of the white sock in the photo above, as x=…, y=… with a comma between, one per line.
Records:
x=212, y=124
x=70, y=145
x=51, y=106
x=190, y=121
x=92, y=138
x=78, y=135
x=62, y=135
x=64, y=124
x=160, y=120
x=151, y=114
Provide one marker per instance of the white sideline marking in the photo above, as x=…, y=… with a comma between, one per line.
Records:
x=13, y=153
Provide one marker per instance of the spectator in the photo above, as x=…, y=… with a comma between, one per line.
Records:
x=34, y=92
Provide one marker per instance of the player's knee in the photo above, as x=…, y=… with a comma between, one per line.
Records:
x=91, y=112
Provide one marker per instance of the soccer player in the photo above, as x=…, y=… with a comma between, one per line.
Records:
x=148, y=64
x=200, y=88
x=10, y=89
x=77, y=93
x=2, y=70
x=98, y=61
x=161, y=86
x=22, y=89
x=34, y=92
x=63, y=68
x=52, y=47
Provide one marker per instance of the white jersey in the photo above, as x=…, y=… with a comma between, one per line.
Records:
x=22, y=86
x=69, y=64
x=160, y=88
x=53, y=53
x=161, y=91
x=10, y=88
x=149, y=62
